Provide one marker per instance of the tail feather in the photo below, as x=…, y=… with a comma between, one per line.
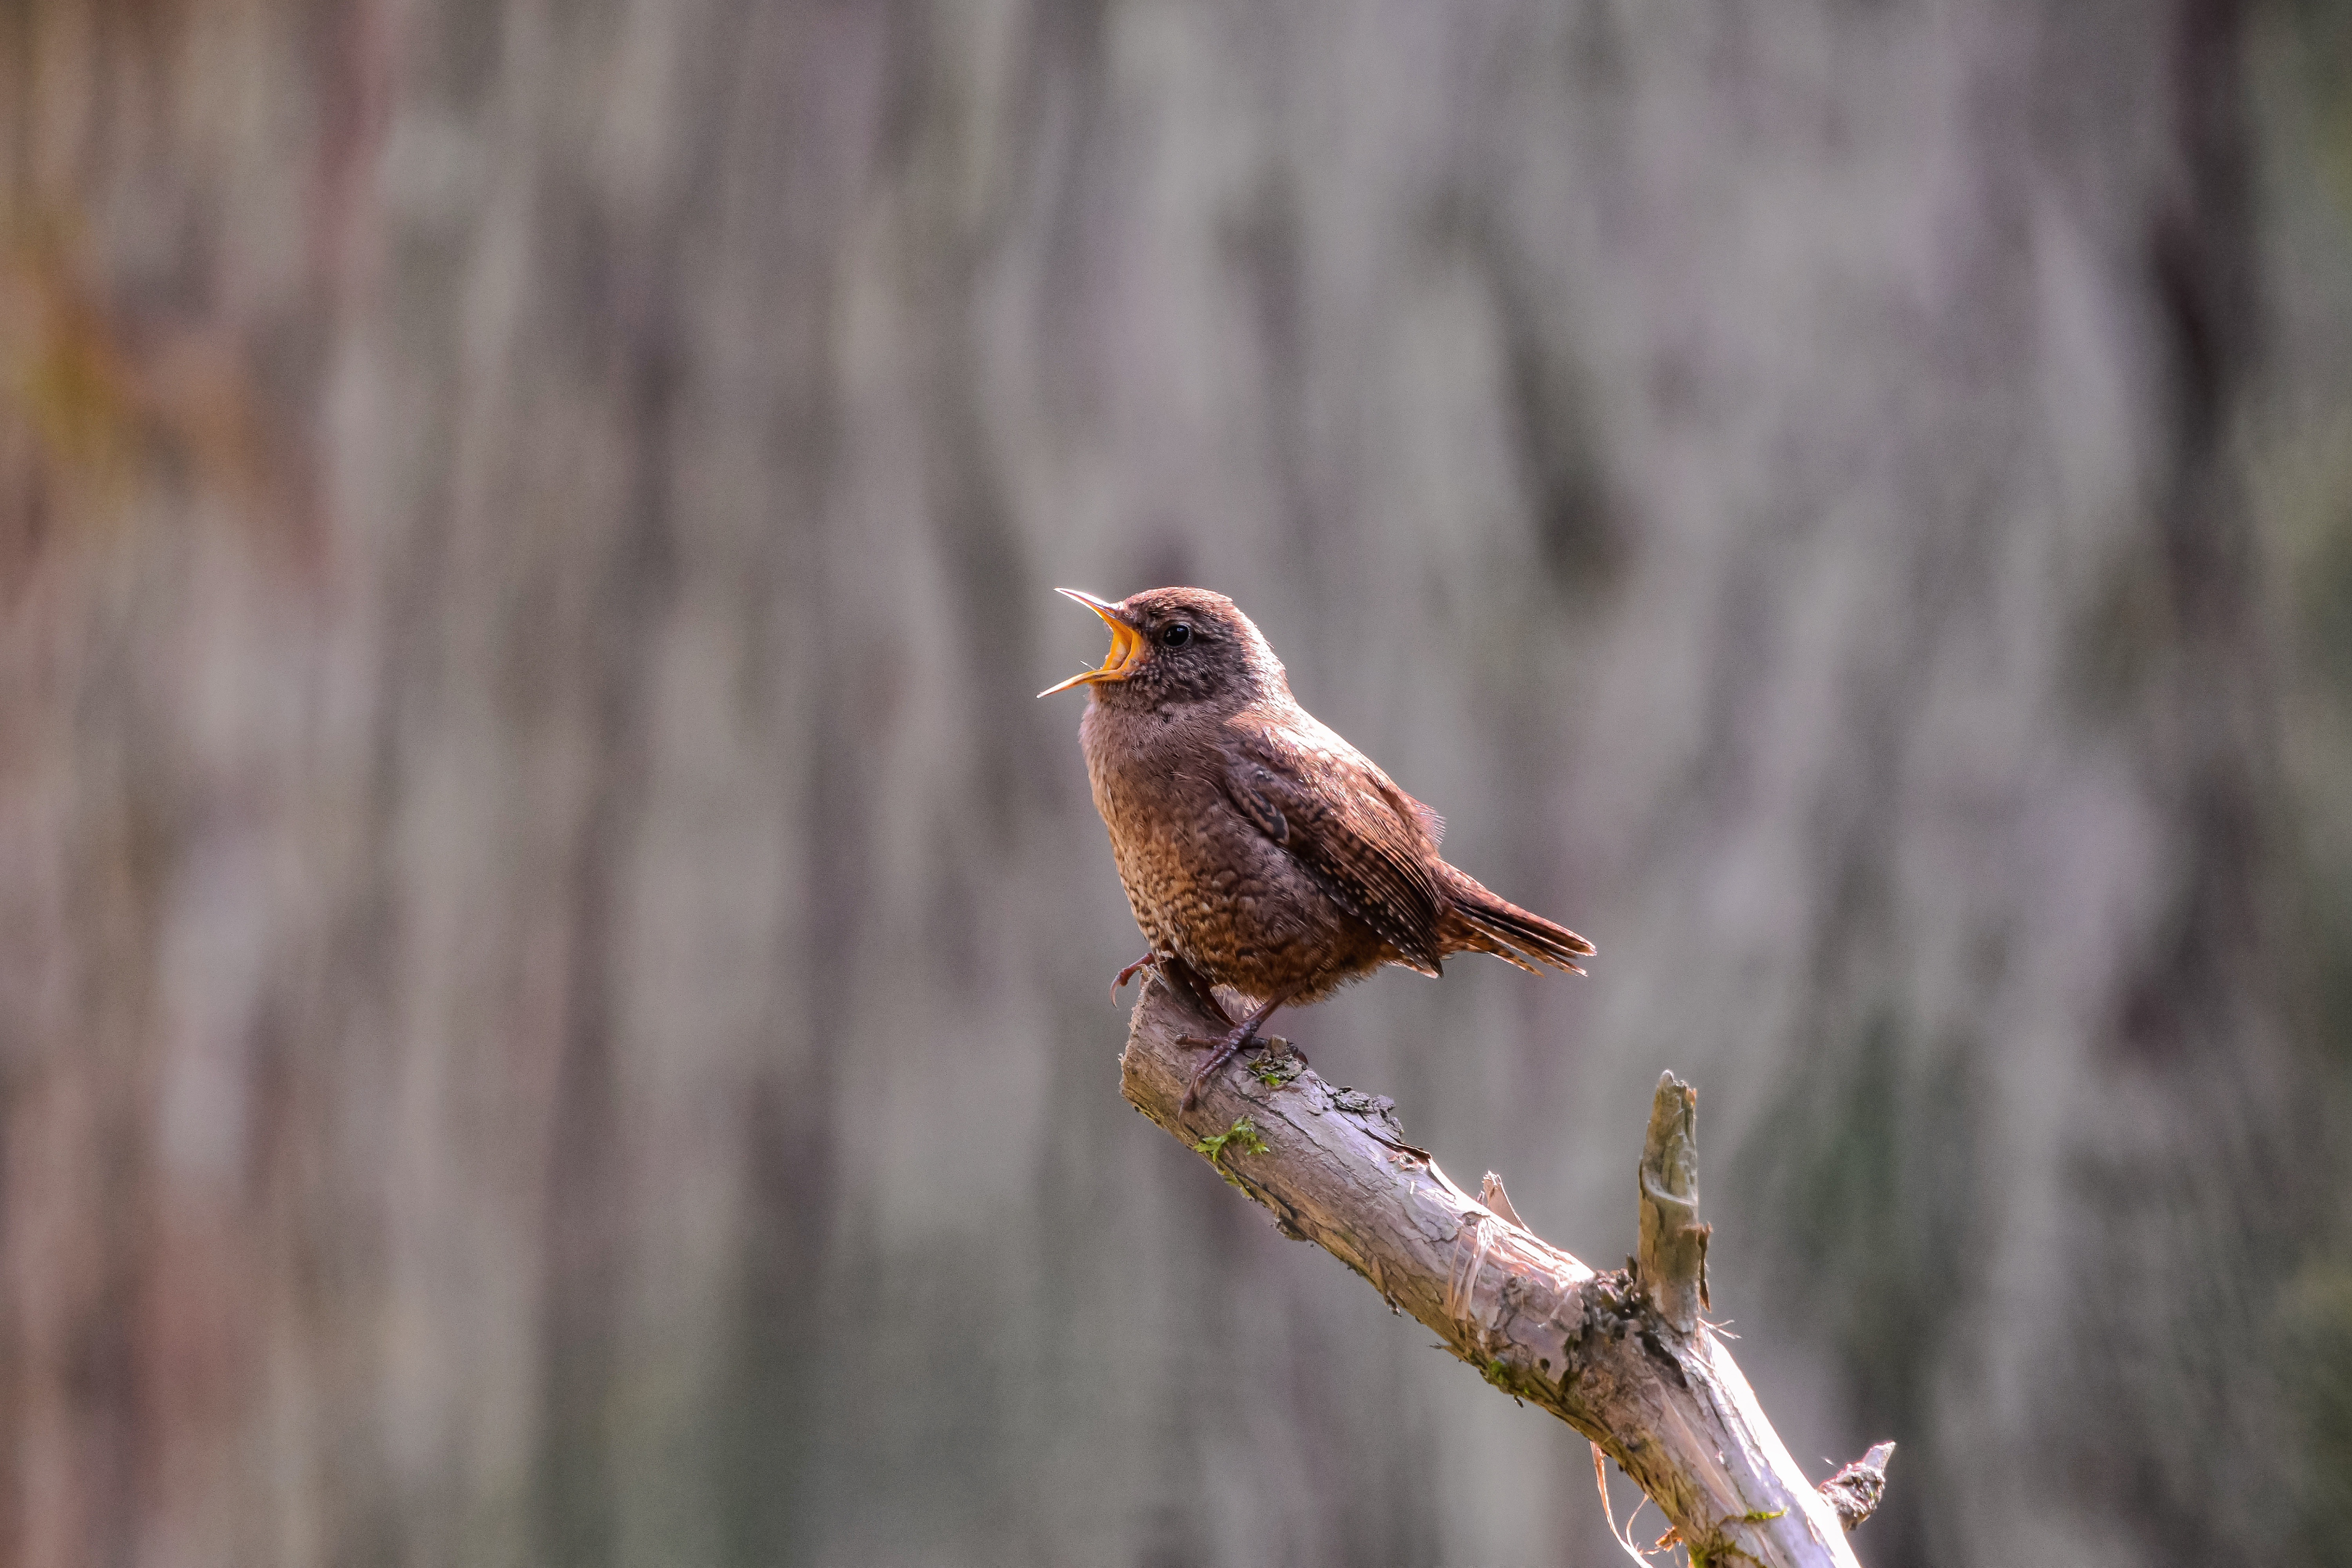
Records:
x=1470, y=939
x=1478, y=921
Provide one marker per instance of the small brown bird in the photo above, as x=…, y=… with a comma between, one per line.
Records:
x=1259, y=850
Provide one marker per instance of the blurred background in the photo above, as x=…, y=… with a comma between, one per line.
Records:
x=553, y=973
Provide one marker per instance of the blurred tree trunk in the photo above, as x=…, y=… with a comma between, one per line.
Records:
x=550, y=970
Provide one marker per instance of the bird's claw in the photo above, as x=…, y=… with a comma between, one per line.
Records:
x=1197, y=1042
x=1148, y=961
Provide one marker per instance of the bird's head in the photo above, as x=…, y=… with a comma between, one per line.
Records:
x=1172, y=646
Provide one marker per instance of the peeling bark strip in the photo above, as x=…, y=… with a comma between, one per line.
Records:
x=1601, y=1351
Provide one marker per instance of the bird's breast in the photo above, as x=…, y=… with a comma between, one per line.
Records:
x=1205, y=882
x=1160, y=803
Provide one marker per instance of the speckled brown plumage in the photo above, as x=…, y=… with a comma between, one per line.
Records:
x=1258, y=849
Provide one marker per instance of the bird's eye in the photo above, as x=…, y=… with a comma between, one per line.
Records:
x=1176, y=636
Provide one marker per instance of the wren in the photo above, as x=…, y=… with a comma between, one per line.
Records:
x=1259, y=850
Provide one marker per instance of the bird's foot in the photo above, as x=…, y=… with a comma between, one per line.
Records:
x=1240, y=1035
x=1278, y=1046
x=1148, y=961
x=1227, y=1046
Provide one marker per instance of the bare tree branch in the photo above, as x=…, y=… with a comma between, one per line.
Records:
x=1622, y=1356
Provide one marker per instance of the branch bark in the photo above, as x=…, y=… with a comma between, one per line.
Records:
x=1621, y=1355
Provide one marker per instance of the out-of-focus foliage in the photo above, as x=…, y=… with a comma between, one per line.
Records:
x=551, y=971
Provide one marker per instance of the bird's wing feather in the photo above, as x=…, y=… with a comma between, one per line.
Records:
x=1366, y=841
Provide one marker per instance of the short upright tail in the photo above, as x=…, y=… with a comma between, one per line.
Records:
x=1477, y=920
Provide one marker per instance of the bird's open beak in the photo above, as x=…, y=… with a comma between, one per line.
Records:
x=1127, y=646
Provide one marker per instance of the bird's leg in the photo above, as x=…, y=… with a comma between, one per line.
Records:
x=1241, y=1035
x=1186, y=983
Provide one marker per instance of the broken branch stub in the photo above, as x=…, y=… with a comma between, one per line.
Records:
x=1599, y=1350
x=1673, y=1242
x=1854, y=1491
